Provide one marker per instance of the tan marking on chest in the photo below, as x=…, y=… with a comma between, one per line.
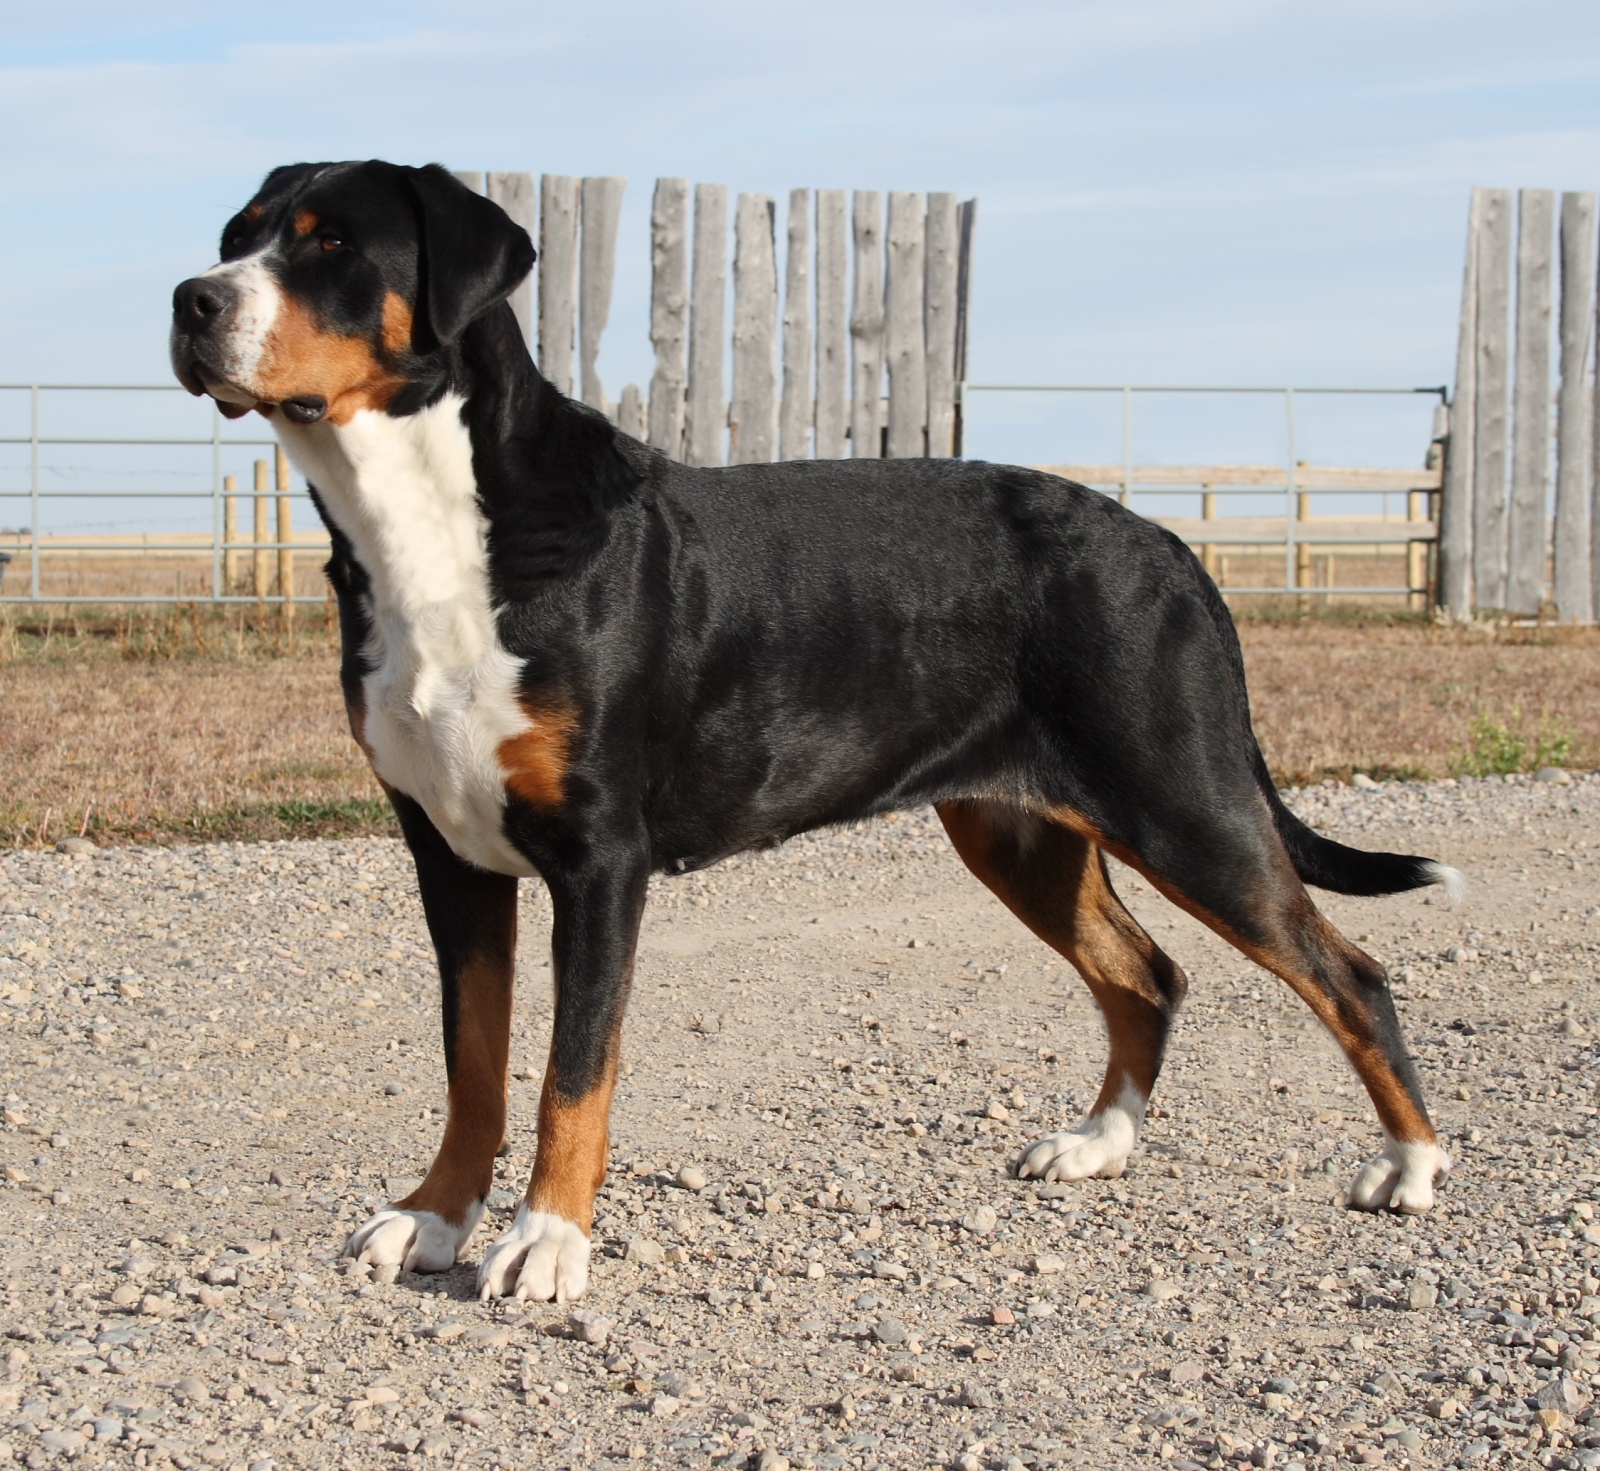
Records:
x=535, y=760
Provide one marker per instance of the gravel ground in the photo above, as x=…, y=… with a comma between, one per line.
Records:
x=217, y=1060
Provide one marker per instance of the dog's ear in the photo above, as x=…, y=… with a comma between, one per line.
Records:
x=473, y=255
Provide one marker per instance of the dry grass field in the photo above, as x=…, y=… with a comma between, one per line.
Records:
x=183, y=725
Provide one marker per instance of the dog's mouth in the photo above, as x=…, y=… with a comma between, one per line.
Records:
x=234, y=402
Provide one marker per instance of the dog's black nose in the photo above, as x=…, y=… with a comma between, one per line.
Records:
x=201, y=302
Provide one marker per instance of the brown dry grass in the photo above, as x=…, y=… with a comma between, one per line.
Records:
x=1332, y=696
x=176, y=725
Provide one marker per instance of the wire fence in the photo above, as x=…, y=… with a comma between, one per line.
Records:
x=138, y=493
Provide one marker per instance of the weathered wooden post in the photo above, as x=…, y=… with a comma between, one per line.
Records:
x=1302, y=549
x=601, y=209
x=230, y=534
x=261, y=565
x=833, y=391
x=752, y=416
x=1456, y=508
x=1208, y=512
x=285, y=540
x=1594, y=473
x=1529, y=530
x=630, y=411
x=707, y=417
x=1492, y=379
x=939, y=318
x=558, y=269
x=669, y=312
x=1575, y=409
x=866, y=328
x=1417, y=554
x=514, y=193
x=794, y=409
x=966, y=229
x=904, y=336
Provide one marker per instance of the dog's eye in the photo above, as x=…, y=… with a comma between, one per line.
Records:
x=330, y=242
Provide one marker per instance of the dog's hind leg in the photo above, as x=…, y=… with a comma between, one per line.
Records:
x=1054, y=880
x=1237, y=878
x=472, y=917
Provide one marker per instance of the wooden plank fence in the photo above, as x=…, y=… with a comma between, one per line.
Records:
x=1501, y=548
x=861, y=353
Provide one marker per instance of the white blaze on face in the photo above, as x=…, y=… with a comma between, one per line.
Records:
x=259, y=301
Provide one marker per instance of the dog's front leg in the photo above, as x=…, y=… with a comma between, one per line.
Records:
x=472, y=917
x=545, y=1252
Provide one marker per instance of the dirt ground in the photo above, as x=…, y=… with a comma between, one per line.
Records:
x=218, y=1059
x=185, y=728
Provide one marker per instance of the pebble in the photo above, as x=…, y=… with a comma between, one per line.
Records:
x=645, y=1252
x=192, y=1387
x=975, y=1397
x=1363, y=782
x=1161, y=1290
x=1047, y=1264
x=981, y=1221
x=692, y=1177
x=1187, y=1372
x=590, y=1326
x=890, y=1332
x=1560, y=1394
x=1422, y=1296
x=1002, y=1317
x=394, y=1090
x=662, y=1405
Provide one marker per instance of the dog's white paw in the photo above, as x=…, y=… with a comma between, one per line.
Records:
x=1100, y=1145
x=1400, y=1177
x=540, y=1256
x=415, y=1241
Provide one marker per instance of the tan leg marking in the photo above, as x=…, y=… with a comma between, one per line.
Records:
x=1055, y=881
x=463, y=1170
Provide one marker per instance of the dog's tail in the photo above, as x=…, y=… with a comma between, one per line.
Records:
x=1325, y=864
x=1321, y=862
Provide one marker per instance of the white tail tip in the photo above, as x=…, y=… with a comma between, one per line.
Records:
x=1454, y=881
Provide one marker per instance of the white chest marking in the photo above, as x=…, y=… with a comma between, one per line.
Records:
x=442, y=694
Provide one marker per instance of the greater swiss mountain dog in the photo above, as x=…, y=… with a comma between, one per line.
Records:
x=568, y=656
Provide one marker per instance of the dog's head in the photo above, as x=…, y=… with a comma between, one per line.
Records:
x=340, y=286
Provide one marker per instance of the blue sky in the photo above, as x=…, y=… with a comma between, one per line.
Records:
x=1171, y=190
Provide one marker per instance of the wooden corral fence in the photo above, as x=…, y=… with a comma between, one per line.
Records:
x=870, y=295
x=1323, y=557
x=1501, y=548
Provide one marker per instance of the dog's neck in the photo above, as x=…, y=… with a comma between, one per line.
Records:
x=401, y=490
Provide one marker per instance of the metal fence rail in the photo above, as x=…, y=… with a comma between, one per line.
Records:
x=65, y=546
x=212, y=549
